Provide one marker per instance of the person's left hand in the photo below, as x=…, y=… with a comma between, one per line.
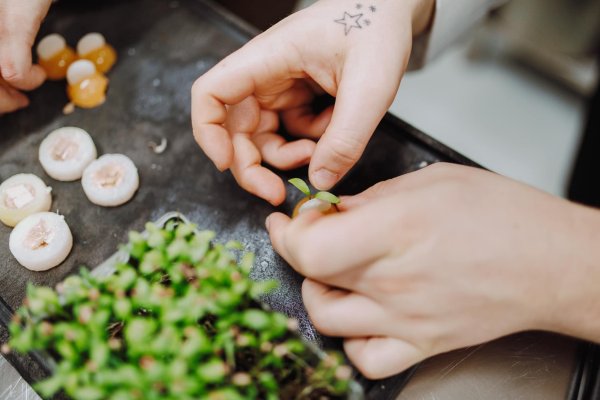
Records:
x=442, y=258
x=332, y=47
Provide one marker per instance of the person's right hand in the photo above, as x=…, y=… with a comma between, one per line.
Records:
x=355, y=51
x=19, y=24
x=442, y=258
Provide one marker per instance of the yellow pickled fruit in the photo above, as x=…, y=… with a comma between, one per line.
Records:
x=93, y=47
x=86, y=87
x=54, y=56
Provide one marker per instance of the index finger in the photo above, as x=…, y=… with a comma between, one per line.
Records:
x=228, y=83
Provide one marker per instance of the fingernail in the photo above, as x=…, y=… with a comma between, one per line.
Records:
x=267, y=222
x=324, y=179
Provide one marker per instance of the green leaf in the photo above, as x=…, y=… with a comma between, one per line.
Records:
x=50, y=386
x=255, y=319
x=212, y=371
x=225, y=394
x=300, y=185
x=246, y=263
x=262, y=288
x=89, y=393
x=234, y=245
x=328, y=197
x=139, y=329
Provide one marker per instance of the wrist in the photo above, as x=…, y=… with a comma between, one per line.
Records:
x=574, y=297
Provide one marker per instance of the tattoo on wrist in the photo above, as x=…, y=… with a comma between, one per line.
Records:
x=357, y=18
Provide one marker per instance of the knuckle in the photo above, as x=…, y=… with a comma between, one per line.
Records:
x=11, y=73
x=345, y=148
x=307, y=261
x=309, y=258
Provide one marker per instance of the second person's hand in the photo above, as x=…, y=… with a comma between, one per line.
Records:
x=19, y=24
x=355, y=51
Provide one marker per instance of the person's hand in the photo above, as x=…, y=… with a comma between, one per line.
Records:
x=19, y=24
x=442, y=258
x=356, y=51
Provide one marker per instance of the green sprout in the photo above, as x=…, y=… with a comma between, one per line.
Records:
x=303, y=187
x=180, y=320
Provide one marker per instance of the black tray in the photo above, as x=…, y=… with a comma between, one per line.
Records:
x=163, y=47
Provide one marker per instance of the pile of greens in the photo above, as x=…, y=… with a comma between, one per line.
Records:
x=180, y=320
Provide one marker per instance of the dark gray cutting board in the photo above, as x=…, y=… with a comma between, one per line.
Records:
x=163, y=47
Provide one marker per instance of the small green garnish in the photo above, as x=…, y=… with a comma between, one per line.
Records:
x=303, y=187
x=300, y=185
x=328, y=197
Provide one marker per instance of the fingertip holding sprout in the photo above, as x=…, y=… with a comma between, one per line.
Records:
x=324, y=202
x=93, y=47
x=111, y=180
x=86, y=87
x=54, y=56
x=41, y=241
x=66, y=152
x=308, y=204
x=22, y=195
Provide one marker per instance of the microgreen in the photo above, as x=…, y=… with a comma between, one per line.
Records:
x=303, y=187
x=328, y=197
x=300, y=185
x=180, y=320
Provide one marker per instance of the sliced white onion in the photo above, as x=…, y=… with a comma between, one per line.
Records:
x=65, y=153
x=314, y=204
x=111, y=180
x=90, y=42
x=41, y=241
x=22, y=195
x=80, y=70
x=49, y=46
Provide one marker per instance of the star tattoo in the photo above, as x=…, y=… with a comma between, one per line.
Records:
x=372, y=8
x=358, y=6
x=350, y=21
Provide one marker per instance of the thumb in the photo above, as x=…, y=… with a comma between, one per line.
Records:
x=364, y=95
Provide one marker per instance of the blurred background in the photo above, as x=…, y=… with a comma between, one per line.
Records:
x=512, y=95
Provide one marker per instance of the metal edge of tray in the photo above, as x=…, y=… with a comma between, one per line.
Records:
x=403, y=128
x=227, y=19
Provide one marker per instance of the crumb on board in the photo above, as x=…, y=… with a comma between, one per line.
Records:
x=158, y=148
x=68, y=108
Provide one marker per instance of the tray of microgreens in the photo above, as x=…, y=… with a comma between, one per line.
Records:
x=172, y=315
